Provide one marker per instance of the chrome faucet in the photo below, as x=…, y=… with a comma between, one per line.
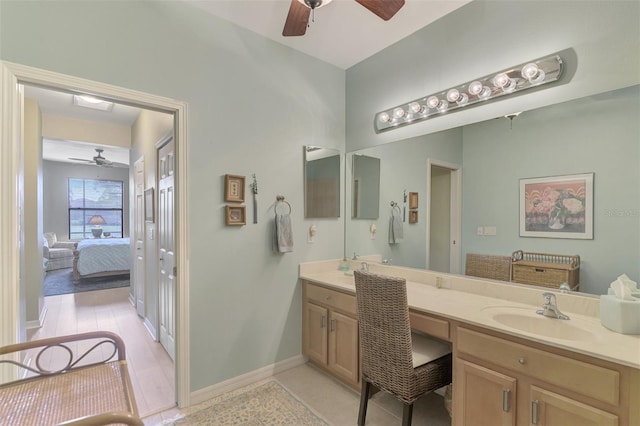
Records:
x=550, y=308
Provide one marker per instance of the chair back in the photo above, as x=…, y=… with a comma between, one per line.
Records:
x=385, y=331
x=488, y=266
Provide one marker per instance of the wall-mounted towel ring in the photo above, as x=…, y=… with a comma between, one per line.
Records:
x=280, y=202
x=395, y=206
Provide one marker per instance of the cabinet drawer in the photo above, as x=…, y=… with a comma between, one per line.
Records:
x=587, y=379
x=333, y=299
x=546, y=276
x=433, y=326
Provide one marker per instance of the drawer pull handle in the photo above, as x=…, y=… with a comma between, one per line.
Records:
x=322, y=321
x=506, y=393
x=539, y=270
x=522, y=361
x=332, y=325
x=534, y=412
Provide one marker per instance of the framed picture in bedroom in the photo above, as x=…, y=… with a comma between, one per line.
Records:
x=234, y=188
x=148, y=205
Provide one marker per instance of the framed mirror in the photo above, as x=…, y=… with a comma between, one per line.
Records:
x=321, y=182
x=366, y=187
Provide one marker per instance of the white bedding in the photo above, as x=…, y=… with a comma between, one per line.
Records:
x=103, y=255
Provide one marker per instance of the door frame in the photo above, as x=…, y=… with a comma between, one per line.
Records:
x=455, y=213
x=11, y=165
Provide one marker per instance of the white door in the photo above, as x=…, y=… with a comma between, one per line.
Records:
x=139, y=276
x=166, y=264
x=443, y=216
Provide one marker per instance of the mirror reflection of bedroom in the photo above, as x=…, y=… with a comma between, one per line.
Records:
x=87, y=165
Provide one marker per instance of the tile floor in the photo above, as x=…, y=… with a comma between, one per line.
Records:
x=151, y=369
x=153, y=378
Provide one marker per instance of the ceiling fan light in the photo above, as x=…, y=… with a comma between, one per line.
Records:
x=315, y=4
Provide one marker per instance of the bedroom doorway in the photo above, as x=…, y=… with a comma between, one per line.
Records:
x=16, y=219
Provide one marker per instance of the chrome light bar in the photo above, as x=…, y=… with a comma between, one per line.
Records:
x=502, y=83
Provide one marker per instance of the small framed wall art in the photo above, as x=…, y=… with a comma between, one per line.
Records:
x=234, y=188
x=413, y=216
x=413, y=200
x=235, y=216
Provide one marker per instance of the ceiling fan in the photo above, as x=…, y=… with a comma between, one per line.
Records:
x=300, y=10
x=99, y=160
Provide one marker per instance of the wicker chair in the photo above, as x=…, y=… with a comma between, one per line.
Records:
x=393, y=360
x=488, y=266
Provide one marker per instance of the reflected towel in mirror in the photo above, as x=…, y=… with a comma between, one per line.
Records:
x=395, y=229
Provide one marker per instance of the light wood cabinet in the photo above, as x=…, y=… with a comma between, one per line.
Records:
x=330, y=332
x=498, y=381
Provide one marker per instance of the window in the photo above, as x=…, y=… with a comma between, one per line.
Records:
x=90, y=197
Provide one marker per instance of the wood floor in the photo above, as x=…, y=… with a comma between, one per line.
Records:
x=151, y=369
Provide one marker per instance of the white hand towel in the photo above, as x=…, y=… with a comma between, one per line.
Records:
x=395, y=229
x=284, y=235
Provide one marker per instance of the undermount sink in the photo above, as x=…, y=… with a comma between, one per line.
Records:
x=525, y=319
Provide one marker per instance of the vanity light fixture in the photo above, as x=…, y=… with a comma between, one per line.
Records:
x=502, y=83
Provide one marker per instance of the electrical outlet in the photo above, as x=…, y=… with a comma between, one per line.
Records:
x=445, y=282
x=438, y=282
x=480, y=230
x=490, y=230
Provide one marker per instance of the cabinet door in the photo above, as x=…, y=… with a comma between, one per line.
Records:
x=551, y=409
x=488, y=397
x=315, y=339
x=343, y=346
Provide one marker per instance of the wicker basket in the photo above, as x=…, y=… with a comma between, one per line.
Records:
x=545, y=269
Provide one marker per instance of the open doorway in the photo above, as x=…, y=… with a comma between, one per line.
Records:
x=85, y=199
x=443, y=218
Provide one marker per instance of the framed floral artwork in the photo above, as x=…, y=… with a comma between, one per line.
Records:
x=557, y=207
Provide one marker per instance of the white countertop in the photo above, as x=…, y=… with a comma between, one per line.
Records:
x=485, y=303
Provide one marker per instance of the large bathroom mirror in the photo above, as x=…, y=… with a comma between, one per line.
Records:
x=365, y=182
x=321, y=182
x=598, y=134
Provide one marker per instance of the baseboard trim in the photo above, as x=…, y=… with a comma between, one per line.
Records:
x=151, y=329
x=209, y=392
x=39, y=322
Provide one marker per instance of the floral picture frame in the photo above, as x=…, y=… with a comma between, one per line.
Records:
x=235, y=216
x=234, y=188
x=557, y=206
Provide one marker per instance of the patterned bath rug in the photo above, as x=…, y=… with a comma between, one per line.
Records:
x=260, y=404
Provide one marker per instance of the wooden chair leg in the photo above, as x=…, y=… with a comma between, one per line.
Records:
x=364, y=400
x=407, y=413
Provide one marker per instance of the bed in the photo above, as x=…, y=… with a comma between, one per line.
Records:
x=101, y=257
x=93, y=388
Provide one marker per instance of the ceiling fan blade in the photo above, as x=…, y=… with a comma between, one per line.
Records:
x=116, y=164
x=297, y=19
x=82, y=159
x=385, y=9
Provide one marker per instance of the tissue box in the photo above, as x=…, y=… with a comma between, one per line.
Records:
x=621, y=316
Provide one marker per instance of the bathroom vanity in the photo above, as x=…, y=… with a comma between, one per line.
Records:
x=511, y=366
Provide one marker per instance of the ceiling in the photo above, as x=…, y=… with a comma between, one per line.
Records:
x=344, y=32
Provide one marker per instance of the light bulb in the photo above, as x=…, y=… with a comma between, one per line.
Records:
x=433, y=101
x=484, y=93
x=415, y=107
x=453, y=95
x=475, y=87
x=443, y=106
x=532, y=73
x=398, y=112
x=462, y=99
x=384, y=117
x=501, y=80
